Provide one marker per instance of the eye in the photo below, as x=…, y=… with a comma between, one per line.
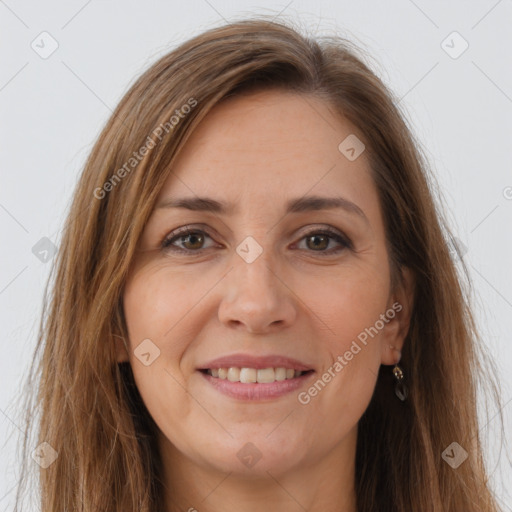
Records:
x=318, y=240
x=192, y=240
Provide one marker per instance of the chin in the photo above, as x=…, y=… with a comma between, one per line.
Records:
x=255, y=456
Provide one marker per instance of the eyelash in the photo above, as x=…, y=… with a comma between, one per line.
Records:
x=183, y=232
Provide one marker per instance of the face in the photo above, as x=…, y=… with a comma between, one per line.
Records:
x=270, y=281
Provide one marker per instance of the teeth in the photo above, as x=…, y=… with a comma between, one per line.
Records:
x=280, y=373
x=234, y=374
x=250, y=375
x=266, y=375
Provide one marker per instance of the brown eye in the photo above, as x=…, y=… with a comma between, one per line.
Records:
x=190, y=240
x=193, y=240
x=196, y=240
x=318, y=241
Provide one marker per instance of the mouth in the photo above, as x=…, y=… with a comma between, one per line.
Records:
x=255, y=384
x=255, y=375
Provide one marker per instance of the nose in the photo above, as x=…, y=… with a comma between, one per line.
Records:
x=256, y=297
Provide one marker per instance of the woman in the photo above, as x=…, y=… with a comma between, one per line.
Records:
x=255, y=302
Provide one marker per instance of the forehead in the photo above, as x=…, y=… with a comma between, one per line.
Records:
x=268, y=145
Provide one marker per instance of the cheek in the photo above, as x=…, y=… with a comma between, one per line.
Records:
x=155, y=311
x=348, y=304
x=163, y=305
x=156, y=301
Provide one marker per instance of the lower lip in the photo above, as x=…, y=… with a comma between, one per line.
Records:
x=257, y=391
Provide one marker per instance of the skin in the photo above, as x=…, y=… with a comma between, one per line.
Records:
x=258, y=151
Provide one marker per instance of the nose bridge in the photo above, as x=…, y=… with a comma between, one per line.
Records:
x=255, y=295
x=255, y=268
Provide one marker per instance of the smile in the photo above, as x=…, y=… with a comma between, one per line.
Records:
x=243, y=383
x=253, y=375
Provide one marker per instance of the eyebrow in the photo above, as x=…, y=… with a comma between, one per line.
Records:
x=299, y=205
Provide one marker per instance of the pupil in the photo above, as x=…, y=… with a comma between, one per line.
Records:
x=192, y=237
x=316, y=237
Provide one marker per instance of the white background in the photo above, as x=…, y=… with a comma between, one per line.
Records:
x=53, y=109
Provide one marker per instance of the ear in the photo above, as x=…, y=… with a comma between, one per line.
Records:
x=399, y=313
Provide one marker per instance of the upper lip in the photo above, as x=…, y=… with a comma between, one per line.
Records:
x=257, y=362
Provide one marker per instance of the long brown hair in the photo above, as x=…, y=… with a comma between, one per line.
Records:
x=90, y=411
